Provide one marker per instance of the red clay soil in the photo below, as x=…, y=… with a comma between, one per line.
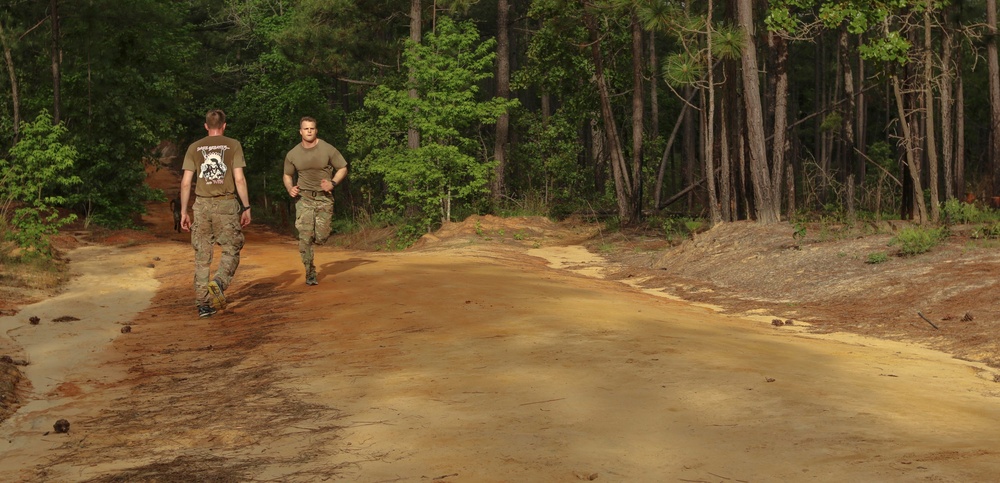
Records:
x=503, y=350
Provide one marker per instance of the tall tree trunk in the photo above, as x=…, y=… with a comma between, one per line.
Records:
x=959, y=125
x=780, y=140
x=638, y=110
x=730, y=192
x=766, y=210
x=932, y=159
x=497, y=186
x=416, y=34
x=619, y=166
x=15, y=98
x=847, y=127
x=726, y=205
x=689, y=147
x=654, y=101
x=994, y=83
x=661, y=173
x=912, y=161
x=56, y=62
x=947, y=118
x=861, y=120
x=708, y=113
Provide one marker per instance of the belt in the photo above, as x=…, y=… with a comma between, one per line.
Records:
x=229, y=196
x=316, y=194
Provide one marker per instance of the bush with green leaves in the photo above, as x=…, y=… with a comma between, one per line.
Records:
x=877, y=257
x=989, y=230
x=682, y=227
x=955, y=211
x=40, y=166
x=451, y=164
x=918, y=239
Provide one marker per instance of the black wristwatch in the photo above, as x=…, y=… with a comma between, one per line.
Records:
x=334, y=182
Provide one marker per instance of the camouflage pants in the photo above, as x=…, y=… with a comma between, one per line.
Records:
x=312, y=220
x=216, y=221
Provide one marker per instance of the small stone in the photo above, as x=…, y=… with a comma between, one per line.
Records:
x=61, y=426
x=126, y=329
x=34, y=320
x=777, y=322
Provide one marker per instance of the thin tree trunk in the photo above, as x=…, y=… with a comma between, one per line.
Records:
x=731, y=193
x=416, y=34
x=847, y=136
x=709, y=115
x=619, y=167
x=689, y=148
x=14, y=96
x=726, y=205
x=959, y=125
x=861, y=120
x=503, y=91
x=638, y=113
x=932, y=159
x=765, y=208
x=947, y=118
x=911, y=158
x=661, y=173
x=994, y=86
x=56, y=62
x=654, y=102
x=780, y=140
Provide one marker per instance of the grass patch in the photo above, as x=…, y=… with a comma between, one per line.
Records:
x=876, y=258
x=918, y=239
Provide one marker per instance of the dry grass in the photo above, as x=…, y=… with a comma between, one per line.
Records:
x=25, y=280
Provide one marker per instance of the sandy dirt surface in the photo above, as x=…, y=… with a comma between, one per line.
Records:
x=484, y=354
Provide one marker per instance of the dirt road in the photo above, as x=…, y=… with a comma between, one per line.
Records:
x=474, y=362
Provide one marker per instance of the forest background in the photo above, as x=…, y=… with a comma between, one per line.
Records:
x=642, y=111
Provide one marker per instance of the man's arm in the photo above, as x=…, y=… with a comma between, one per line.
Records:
x=293, y=191
x=241, y=189
x=337, y=178
x=185, y=197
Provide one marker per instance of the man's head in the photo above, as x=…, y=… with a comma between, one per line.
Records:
x=307, y=129
x=215, y=119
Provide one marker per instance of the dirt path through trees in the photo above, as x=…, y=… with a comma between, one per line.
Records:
x=474, y=363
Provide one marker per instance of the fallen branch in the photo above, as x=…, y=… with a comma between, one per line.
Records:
x=928, y=320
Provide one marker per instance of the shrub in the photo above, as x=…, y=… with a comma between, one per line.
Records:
x=916, y=240
x=954, y=211
x=877, y=257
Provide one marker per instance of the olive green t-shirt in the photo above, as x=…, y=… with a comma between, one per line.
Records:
x=314, y=164
x=212, y=159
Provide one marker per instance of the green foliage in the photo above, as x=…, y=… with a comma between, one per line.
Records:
x=41, y=165
x=877, y=257
x=682, y=227
x=918, y=239
x=449, y=165
x=681, y=69
x=954, y=211
x=553, y=159
x=799, y=231
x=990, y=231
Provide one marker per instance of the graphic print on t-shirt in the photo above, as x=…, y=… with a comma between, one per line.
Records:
x=213, y=169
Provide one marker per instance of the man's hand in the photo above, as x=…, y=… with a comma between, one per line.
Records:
x=185, y=221
x=245, y=218
x=294, y=191
x=327, y=185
